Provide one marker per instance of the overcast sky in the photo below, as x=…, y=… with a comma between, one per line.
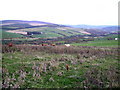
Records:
x=93, y=12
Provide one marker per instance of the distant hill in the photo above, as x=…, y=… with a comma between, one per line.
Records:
x=89, y=26
x=23, y=21
x=111, y=28
x=40, y=29
x=20, y=24
x=104, y=28
x=96, y=31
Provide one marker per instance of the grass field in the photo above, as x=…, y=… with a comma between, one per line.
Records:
x=45, y=67
x=4, y=35
x=48, y=32
x=53, y=32
x=111, y=43
x=47, y=35
x=101, y=42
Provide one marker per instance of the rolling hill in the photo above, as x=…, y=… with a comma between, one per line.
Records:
x=40, y=29
x=105, y=28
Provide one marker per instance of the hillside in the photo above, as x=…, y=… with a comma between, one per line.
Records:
x=88, y=26
x=38, y=29
x=20, y=24
x=104, y=28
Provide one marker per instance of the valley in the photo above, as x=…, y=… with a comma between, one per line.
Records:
x=38, y=54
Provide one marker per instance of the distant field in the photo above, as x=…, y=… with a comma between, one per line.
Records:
x=4, y=34
x=109, y=36
x=47, y=35
x=102, y=41
x=47, y=32
x=98, y=43
x=55, y=32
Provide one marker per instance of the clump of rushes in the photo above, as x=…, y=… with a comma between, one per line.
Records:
x=82, y=51
x=51, y=79
x=60, y=73
x=101, y=79
x=82, y=61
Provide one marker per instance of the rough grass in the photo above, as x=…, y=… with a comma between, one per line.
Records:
x=110, y=43
x=45, y=67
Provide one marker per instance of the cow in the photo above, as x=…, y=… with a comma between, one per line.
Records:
x=52, y=45
x=66, y=66
x=10, y=45
x=67, y=45
x=110, y=38
x=116, y=38
x=44, y=44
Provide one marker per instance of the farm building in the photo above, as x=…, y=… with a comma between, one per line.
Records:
x=32, y=33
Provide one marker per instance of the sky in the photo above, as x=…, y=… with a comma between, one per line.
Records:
x=74, y=12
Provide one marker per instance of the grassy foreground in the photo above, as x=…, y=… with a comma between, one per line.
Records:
x=45, y=67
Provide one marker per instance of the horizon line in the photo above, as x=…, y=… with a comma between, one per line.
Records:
x=60, y=23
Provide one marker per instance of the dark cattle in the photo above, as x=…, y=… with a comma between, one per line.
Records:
x=66, y=66
x=10, y=45
x=110, y=38
x=44, y=44
x=52, y=45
